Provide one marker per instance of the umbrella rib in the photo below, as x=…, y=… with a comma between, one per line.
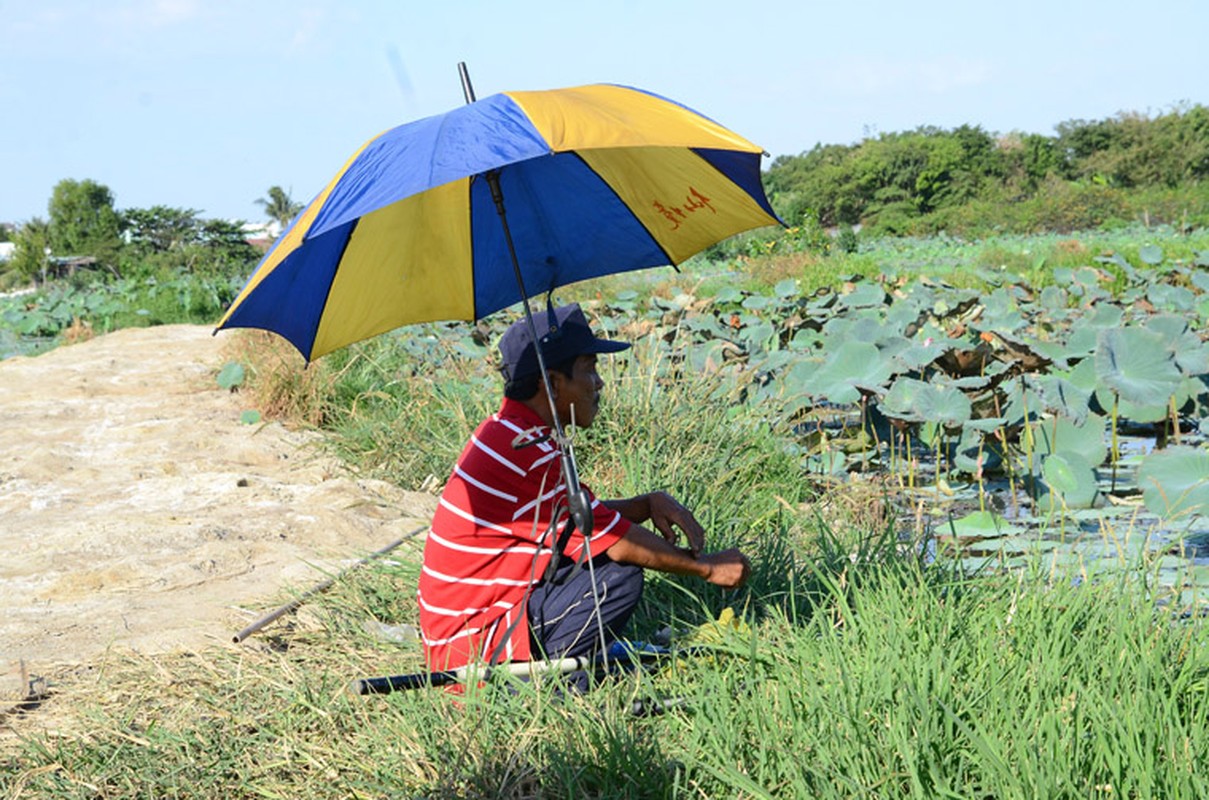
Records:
x=474, y=289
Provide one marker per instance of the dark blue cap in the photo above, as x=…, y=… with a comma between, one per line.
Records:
x=563, y=332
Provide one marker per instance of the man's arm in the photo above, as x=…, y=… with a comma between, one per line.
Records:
x=666, y=513
x=644, y=548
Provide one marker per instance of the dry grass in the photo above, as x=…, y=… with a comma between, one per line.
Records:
x=772, y=269
x=78, y=331
x=280, y=382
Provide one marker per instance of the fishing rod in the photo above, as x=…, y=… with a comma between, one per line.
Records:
x=622, y=656
x=294, y=604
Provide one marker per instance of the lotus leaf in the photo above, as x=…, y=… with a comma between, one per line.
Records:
x=759, y=337
x=624, y=302
x=805, y=339
x=903, y=313
x=1006, y=320
x=231, y=376
x=1065, y=436
x=786, y=289
x=1201, y=279
x=981, y=524
x=964, y=384
x=1192, y=356
x=1175, y=481
x=1054, y=352
x=1063, y=397
x=756, y=302
x=1088, y=276
x=828, y=462
x=1151, y=254
x=915, y=356
x=976, y=453
x=1190, y=353
x=821, y=305
x=1134, y=364
x=705, y=326
x=1020, y=398
x=1119, y=261
x=1070, y=482
x=774, y=361
x=892, y=345
x=901, y=401
x=916, y=401
x=986, y=424
x=1170, y=326
x=991, y=277
x=853, y=366
x=1104, y=316
x=864, y=295
x=1168, y=297
x=1054, y=300
x=869, y=327
x=799, y=376
x=707, y=357
x=728, y=294
x=1081, y=342
x=466, y=347
x=1083, y=375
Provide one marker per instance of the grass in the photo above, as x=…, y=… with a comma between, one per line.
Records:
x=863, y=673
x=860, y=670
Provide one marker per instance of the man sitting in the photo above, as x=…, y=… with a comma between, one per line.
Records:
x=487, y=591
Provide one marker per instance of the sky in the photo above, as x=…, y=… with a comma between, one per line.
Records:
x=205, y=104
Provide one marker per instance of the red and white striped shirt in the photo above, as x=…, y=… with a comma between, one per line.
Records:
x=491, y=539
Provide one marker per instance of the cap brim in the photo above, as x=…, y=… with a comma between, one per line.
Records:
x=607, y=346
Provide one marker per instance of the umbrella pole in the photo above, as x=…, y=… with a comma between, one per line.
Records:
x=577, y=497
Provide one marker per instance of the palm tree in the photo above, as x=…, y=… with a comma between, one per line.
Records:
x=279, y=207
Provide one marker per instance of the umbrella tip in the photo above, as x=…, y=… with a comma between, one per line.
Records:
x=467, y=89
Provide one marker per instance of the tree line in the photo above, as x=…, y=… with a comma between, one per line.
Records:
x=968, y=179
x=83, y=227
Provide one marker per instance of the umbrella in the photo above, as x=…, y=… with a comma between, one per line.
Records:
x=459, y=215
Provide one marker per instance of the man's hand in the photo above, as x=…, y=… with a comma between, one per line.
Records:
x=667, y=514
x=727, y=568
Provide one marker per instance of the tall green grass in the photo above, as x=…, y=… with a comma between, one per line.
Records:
x=864, y=673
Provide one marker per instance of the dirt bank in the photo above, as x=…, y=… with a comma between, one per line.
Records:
x=137, y=511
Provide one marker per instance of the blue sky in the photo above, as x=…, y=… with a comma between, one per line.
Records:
x=205, y=104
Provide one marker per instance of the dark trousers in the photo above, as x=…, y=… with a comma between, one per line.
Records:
x=562, y=611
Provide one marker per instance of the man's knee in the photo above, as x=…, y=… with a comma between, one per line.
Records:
x=621, y=583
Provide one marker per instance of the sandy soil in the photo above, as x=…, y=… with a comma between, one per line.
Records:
x=137, y=511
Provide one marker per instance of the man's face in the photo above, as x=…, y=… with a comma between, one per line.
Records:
x=579, y=394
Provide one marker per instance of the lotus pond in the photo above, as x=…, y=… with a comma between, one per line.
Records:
x=997, y=422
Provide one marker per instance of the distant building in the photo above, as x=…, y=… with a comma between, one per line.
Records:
x=261, y=235
x=6, y=250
